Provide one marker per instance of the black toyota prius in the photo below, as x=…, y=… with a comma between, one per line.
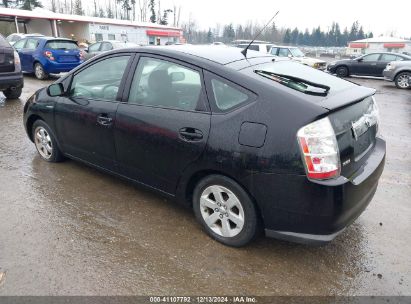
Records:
x=250, y=144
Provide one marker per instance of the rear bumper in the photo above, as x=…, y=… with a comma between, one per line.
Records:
x=56, y=67
x=9, y=80
x=303, y=211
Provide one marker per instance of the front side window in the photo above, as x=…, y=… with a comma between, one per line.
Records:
x=100, y=80
x=274, y=51
x=226, y=96
x=106, y=47
x=20, y=44
x=166, y=84
x=372, y=57
x=254, y=47
x=32, y=44
x=284, y=53
x=94, y=47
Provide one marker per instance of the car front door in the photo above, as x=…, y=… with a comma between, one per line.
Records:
x=85, y=117
x=366, y=65
x=164, y=125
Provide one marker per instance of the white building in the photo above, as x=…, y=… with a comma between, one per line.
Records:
x=379, y=44
x=88, y=29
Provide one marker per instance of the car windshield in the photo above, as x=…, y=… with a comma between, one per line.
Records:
x=62, y=45
x=297, y=52
x=302, y=78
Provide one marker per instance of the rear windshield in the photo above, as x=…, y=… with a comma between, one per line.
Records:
x=301, y=77
x=3, y=42
x=61, y=45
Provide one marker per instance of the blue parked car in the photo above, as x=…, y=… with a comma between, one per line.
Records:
x=45, y=55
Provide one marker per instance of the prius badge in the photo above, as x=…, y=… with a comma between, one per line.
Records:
x=361, y=126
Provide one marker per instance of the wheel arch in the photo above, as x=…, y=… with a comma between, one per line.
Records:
x=187, y=189
x=401, y=71
x=29, y=124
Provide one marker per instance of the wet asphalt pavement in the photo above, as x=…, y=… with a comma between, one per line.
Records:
x=67, y=229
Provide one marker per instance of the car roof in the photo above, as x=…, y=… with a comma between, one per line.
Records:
x=218, y=54
x=47, y=38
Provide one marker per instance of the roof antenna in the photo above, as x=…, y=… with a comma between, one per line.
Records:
x=244, y=52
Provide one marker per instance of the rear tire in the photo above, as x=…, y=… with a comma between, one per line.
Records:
x=342, y=71
x=402, y=80
x=225, y=211
x=39, y=71
x=12, y=94
x=46, y=143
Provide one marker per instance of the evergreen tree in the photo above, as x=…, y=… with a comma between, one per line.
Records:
x=229, y=33
x=164, y=19
x=294, y=36
x=110, y=13
x=354, y=31
x=360, y=34
x=78, y=8
x=152, y=7
x=287, y=36
x=30, y=4
x=101, y=13
x=210, y=36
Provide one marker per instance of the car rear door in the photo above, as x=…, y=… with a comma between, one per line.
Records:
x=164, y=124
x=85, y=117
x=383, y=61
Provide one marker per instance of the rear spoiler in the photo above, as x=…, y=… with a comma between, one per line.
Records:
x=346, y=97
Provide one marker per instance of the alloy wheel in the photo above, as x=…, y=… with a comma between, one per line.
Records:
x=43, y=142
x=39, y=71
x=402, y=81
x=222, y=211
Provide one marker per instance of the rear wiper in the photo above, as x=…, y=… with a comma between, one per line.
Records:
x=294, y=82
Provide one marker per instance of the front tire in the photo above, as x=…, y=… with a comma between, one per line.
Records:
x=225, y=211
x=12, y=94
x=401, y=80
x=39, y=72
x=46, y=143
x=342, y=71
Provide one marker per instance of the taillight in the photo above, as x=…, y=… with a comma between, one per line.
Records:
x=17, y=62
x=49, y=55
x=319, y=150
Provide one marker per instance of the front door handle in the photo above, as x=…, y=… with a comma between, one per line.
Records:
x=104, y=120
x=191, y=134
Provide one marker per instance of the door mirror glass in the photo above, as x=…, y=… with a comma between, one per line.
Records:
x=177, y=76
x=56, y=89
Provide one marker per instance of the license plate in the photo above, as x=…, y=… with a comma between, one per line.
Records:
x=67, y=59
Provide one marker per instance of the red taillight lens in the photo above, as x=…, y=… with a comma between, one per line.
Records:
x=319, y=149
x=49, y=55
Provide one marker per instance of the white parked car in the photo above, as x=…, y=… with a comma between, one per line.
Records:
x=260, y=47
x=294, y=53
x=13, y=38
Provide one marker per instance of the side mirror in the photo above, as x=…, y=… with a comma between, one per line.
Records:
x=177, y=76
x=55, y=89
x=359, y=59
x=290, y=56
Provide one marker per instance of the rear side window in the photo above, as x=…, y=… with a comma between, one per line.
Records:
x=254, y=47
x=227, y=95
x=19, y=44
x=94, y=47
x=284, y=53
x=32, y=44
x=388, y=57
x=106, y=47
x=61, y=45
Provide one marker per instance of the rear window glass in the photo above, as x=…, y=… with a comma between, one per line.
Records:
x=61, y=45
x=301, y=77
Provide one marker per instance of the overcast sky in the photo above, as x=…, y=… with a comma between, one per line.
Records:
x=380, y=17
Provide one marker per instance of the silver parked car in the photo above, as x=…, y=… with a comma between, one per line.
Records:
x=399, y=72
x=13, y=38
x=104, y=46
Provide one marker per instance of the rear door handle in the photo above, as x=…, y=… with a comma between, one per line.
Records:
x=191, y=134
x=104, y=120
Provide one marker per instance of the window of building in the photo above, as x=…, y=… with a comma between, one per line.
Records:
x=111, y=37
x=99, y=37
